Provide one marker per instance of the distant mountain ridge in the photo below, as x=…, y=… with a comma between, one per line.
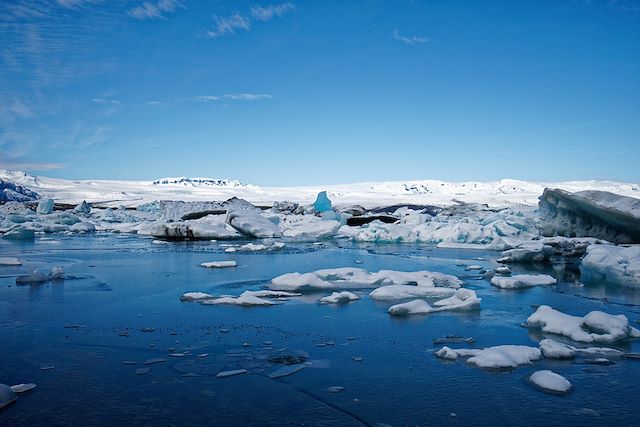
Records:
x=188, y=181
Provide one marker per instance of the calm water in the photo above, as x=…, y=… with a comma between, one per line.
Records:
x=122, y=285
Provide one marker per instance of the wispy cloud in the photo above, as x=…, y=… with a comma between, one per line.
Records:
x=409, y=39
x=103, y=101
x=71, y=4
x=227, y=26
x=233, y=97
x=155, y=9
x=260, y=13
x=31, y=166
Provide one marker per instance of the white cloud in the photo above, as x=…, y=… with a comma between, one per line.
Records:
x=103, y=101
x=260, y=13
x=31, y=166
x=154, y=9
x=409, y=39
x=227, y=26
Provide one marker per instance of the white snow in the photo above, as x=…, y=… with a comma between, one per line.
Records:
x=614, y=264
x=520, y=281
x=501, y=356
x=552, y=349
x=9, y=261
x=247, y=298
x=596, y=326
x=196, y=296
x=550, y=381
x=339, y=298
x=219, y=264
x=252, y=224
x=396, y=292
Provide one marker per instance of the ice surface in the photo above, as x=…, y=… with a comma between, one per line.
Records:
x=395, y=292
x=339, y=298
x=196, y=296
x=550, y=381
x=83, y=227
x=7, y=396
x=596, y=326
x=520, y=281
x=247, y=298
x=219, y=264
x=189, y=230
x=552, y=349
x=309, y=228
x=322, y=203
x=614, y=264
x=22, y=388
x=19, y=233
x=357, y=278
x=36, y=277
x=9, y=261
x=82, y=208
x=45, y=206
x=498, y=357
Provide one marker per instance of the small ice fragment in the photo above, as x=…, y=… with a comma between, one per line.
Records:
x=358, y=359
x=21, y=388
x=286, y=370
x=154, y=361
x=129, y=362
x=218, y=264
x=335, y=389
x=473, y=267
x=47, y=368
x=231, y=373
x=147, y=329
x=177, y=354
x=339, y=298
x=202, y=355
x=142, y=371
x=550, y=381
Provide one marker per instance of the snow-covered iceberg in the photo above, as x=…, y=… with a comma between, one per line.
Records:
x=520, y=281
x=462, y=300
x=614, y=264
x=498, y=357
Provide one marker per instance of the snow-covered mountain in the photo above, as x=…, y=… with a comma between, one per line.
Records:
x=369, y=194
x=12, y=192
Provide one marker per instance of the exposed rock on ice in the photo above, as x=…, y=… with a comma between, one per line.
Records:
x=45, y=206
x=521, y=281
x=339, y=298
x=498, y=357
x=550, y=381
x=357, y=278
x=322, y=203
x=252, y=224
x=7, y=396
x=598, y=214
x=596, y=326
x=219, y=264
x=10, y=262
x=614, y=264
x=462, y=300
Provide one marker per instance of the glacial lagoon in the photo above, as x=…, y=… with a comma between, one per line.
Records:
x=113, y=344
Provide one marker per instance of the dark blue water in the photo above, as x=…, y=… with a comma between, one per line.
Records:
x=86, y=326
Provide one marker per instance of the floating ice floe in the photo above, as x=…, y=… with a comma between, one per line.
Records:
x=521, y=281
x=225, y=374
x=357, y=278
x=219, y=264
x=462, y=300
x=309, y=227
x=552, y=349
x=247, y=298
x=501, y=356
x=57, y=273
x=252, y=224
x=548, y=249
x=19, y=233
x=194, y=230
x=9, y=261
x=550, y=381
x=596, y=326
x=614, y=264
x=339, y=298
x=23, y=388
x=83, y=227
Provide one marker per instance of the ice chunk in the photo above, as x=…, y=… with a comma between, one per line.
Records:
x=45, y=206
x=395, y=292
x=462, y=300
x=309, y=228
x=417, y=306
x=83, y=227
x=521, y=281
x=252, y=224
x=339, y=298
x=219, y=264
x=286, y=371
x=195, y=296
x=231, y=373
x=596, y=326
x=7, y=396
x=83, y=208
x=357, y=278
x=552, y=349
x=22, y=388
x=322, y=203
x=34, y=277
x=247, y=298
x=189, y=230
x=614, y=264
x=498, y=357
x=10, y=261
x=550, y=381
x=19, y=233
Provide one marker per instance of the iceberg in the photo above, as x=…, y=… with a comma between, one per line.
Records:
x=462, y=300
x=596, y=326
x=252, y=224
x=83, y=208
x=615, y=264
x=19, y=233
x=45, y=206
x=339, y=298
x=498, y=357
x=322, y=203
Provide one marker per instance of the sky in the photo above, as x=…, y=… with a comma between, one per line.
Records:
x=321, y=91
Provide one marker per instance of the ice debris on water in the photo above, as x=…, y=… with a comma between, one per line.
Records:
x=57, y=273
x=218, y=264
x=339, y=298
x=22, y=388
x=550, y=381
x=231, y=373
x=498, y=357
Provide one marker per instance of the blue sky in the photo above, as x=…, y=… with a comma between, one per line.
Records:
x=313, y=92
